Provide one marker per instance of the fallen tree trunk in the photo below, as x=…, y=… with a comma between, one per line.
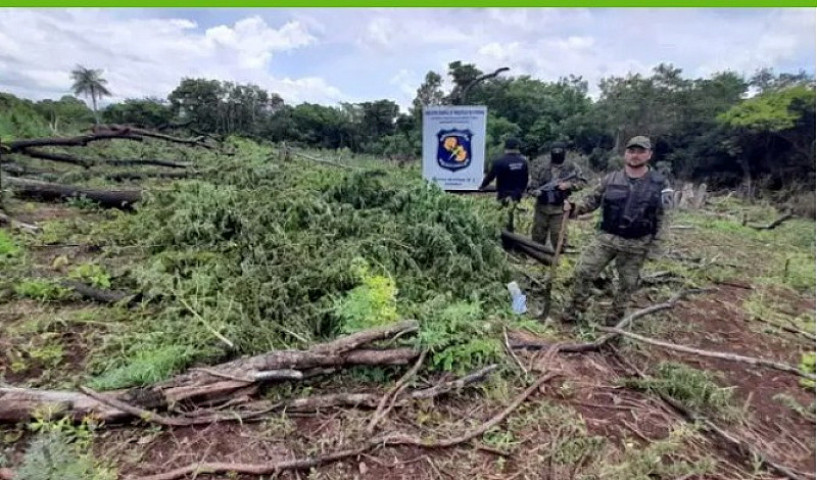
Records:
x=774, y=224
x=122, y=129
x=158, y=163
x=215, y=384
x=125, y=176
x=97, y=294
x=56, y=157
x=79, y=141
x=24, y=188
x=522, y=240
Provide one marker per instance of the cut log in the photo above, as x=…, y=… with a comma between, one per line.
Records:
x=24, y=188
x=521, y=239
x=537, y=255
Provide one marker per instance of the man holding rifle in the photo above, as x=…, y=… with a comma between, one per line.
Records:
x=552, y=185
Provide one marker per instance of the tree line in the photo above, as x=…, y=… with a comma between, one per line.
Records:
x=725, y=129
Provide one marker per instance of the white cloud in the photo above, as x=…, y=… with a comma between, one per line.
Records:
x=330, y=55
x=142, y=57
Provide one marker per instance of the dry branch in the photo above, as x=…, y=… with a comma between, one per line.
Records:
x=599, y=342
x=749, y=451
x=774, y=224
x=706, y=353
x=25, y=188
x=393, y=393
x=198, y=386
x=14, y=223
x=388, y=440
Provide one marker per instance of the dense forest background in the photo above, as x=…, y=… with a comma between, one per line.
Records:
x=756, y=134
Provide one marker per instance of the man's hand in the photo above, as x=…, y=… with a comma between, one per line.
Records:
x=564, y=186
x=567, y=206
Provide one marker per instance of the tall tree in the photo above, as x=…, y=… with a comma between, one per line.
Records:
x=89, y=82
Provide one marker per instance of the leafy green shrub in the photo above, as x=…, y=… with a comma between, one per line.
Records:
x=696, y=389
x=42, y=290
x=62, y=451
x=143, y=368
x=807, y=365
x=93, y=273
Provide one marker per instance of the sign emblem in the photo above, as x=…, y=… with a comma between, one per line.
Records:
x=454, y=149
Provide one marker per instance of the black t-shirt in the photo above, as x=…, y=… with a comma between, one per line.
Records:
x=511, y=173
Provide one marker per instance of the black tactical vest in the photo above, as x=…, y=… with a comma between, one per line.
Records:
x=630, y=207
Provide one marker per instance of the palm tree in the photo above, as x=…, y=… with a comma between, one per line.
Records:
x=89, y=82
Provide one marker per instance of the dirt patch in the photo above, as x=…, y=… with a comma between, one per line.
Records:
x=718, y=323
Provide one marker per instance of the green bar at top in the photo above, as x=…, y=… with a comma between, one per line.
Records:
x=408, y=3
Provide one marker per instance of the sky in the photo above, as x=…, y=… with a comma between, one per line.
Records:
x=327, y=56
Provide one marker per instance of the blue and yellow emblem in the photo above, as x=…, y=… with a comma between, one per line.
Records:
x=454, y=149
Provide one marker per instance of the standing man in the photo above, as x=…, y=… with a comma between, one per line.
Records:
x=630, y=228
x=547, y=217
x=511, y=173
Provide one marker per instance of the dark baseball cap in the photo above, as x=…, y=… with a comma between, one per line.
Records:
x=512, y=144
x=639, y=141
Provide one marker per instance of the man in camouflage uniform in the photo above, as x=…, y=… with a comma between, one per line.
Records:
x=547, y=217
x=630, y=228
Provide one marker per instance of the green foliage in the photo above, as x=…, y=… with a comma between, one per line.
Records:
x=696, y=389
x=43, y=290
x=654, y=460
x=269, y=256
x=807, y=365
x=146, y=113
x=457, y=335
x=371, y=304
x=790, y=402
x=62, y=451
x=19, y=119
x=8, y=248
x=93, y=273
x=143, y=368
x=770, y=111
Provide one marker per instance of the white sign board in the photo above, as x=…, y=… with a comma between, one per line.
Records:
x=454, y=146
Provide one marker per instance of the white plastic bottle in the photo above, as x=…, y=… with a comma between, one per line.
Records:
x=518, y=299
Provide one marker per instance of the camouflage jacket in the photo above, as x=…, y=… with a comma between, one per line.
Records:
x=544, y=172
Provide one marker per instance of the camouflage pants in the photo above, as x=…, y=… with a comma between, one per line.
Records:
x=629, y=255
x=547, y=220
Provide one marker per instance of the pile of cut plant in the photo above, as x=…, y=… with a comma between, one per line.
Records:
x=261, y=271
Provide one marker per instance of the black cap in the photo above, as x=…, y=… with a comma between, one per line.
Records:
x=512, y=144
x=558, y=145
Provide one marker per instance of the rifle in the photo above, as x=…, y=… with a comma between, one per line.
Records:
x=549, y=189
